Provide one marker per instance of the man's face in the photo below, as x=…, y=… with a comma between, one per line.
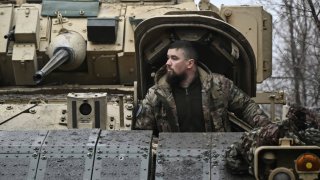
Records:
x=177, y=65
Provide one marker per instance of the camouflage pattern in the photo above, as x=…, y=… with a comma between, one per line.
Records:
x=235, y=160
x=305, y=124
x=219, y=95
x=302, y=125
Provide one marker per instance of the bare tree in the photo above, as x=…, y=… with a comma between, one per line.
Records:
x=296, y=50
x=315, y=14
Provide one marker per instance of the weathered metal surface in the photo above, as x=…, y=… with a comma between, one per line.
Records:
x=70, y=8
x=122, y=155
x=65, y=166
x=183, y=156
x=124, y=142
x=184, y=141
x=7, y=13
x=70, y=141
x=121, y=166
x=11, y=93
x=87, y=110
x=194, y=156
x=219, y=144
x=19, y=153
x=18, y=166
x=114, y=114
x=41, y=116
x=91, y=154
x=10, y=111
x=53, y=115
x=21, y=142
x=68, y=154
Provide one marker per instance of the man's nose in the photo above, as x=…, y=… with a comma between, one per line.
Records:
x=168, y=61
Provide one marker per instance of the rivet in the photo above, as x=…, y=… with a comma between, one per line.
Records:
x=144, y=155
x=64, y=111
x=228, y=12
x=129, y=106
x=129, y=117
x=62, y=119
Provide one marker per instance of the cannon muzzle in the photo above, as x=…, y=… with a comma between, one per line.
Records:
x=59, y=58
x=10, y=35
x=67, y=51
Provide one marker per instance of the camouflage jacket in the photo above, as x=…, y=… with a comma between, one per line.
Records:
x=219, y=95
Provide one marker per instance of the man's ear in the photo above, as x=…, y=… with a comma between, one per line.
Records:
x=191, y=63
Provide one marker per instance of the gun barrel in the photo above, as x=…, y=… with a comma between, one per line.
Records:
x=10, y=35
x=60, y=57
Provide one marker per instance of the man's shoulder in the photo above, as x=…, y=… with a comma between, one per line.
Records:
x=158, y=89
x=209, y=77
x=219, y=78
x=152, y=89
x=151, y=95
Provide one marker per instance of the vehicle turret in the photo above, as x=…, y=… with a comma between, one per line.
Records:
x=67, y=52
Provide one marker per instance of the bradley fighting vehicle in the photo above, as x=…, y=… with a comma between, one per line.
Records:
x=72, y=72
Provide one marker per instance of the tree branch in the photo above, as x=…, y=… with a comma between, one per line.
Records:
x=314, y=14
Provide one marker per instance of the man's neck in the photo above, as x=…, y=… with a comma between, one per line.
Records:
x=190, y=77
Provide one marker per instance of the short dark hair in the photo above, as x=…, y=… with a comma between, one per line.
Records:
x=188, y=48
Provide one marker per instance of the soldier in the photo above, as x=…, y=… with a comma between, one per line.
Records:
x=188, y=98
x=302, y=126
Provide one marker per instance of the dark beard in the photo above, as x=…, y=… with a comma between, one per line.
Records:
x=174, y=79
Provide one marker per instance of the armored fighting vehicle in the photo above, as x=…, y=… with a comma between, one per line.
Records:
x=72, y=73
